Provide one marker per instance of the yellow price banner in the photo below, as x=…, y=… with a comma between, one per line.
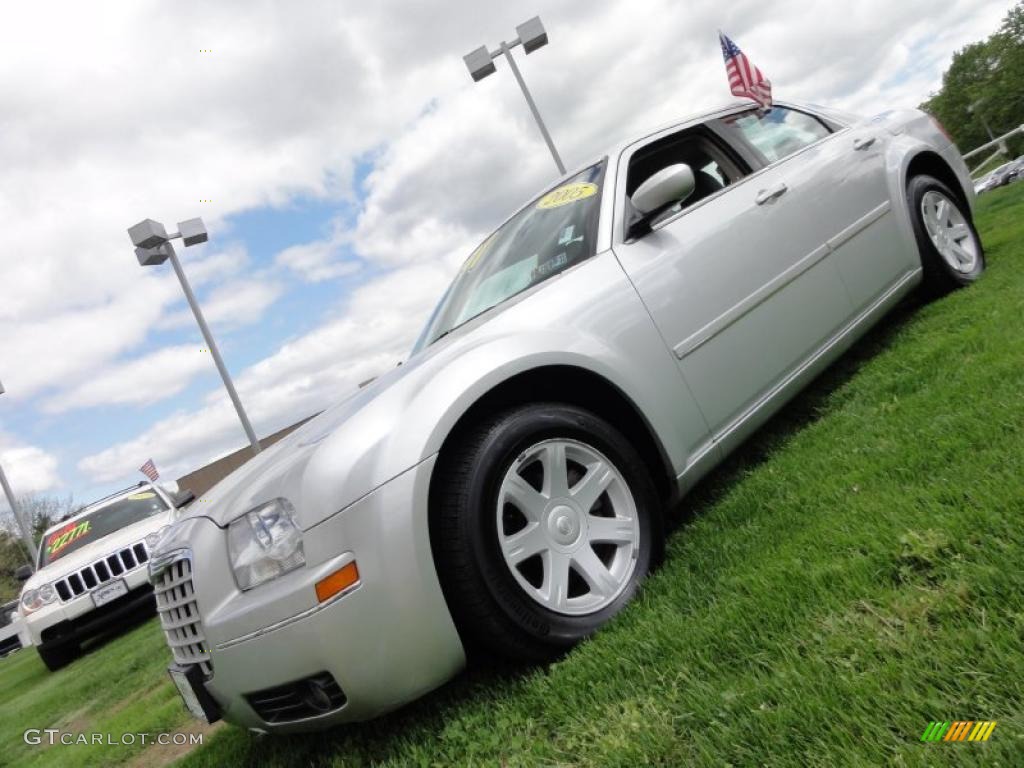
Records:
x=475, y=256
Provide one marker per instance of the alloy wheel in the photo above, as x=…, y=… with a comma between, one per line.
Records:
x=949, y=231
x=568, y=526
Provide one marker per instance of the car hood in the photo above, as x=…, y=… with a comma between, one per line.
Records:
x=94, y=550
x=279, y=470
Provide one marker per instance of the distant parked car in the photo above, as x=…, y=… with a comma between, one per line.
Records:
x=91, y=569
x=502, y=491
x=1000, y=177
x=1016, y=173
x=13, y=632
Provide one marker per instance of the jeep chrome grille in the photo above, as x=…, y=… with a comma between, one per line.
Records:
x=101, y=571
x=179, y=614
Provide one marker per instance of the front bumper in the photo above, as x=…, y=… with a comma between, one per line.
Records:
x=136, y=604
x=80, y=616
x=385, y=640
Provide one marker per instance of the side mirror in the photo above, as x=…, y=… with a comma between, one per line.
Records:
x=23, y=573
x=183, y=499
x=669, y=186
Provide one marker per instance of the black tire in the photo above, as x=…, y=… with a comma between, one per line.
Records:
x=492, y=611
x=58, y=655
x=939, y=276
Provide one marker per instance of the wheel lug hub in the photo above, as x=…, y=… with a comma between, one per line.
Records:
x=563, y=525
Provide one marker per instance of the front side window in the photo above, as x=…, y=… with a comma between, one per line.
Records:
x=551, y=234
x=93, y=526
x=714, y=167
x=778, y=132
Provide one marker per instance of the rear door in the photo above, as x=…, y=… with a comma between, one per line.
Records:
x=850, y=209
x=738, y=283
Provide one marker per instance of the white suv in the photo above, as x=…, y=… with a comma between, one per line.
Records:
x=91, y=569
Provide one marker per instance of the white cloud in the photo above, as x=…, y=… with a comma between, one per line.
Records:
x=144, y=380
x=64, y=349
x=319, y=260
x=215, y=267
x=231, y=305
x=29, y=469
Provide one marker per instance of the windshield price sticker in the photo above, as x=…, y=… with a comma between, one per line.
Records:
x=475, y=256
x=141, y=496
x=65, y=536
x=569, y=193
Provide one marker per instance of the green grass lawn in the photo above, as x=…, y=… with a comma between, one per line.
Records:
x=854, y=572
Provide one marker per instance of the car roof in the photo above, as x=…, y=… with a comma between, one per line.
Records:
x=613, y=150
x=99, y=504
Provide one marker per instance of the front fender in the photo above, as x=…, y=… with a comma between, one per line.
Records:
x=589, y=317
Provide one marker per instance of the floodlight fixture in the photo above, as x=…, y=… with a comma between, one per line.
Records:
x=480, y=63
x=148, y=234
x=532, y=35
x=192, y=232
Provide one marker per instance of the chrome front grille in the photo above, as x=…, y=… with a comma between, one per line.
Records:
x=101, y=571
x=179, y=614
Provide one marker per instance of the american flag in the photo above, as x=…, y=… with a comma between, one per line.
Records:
x=149, y=470
x=744, y=78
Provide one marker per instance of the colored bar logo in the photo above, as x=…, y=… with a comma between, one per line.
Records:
x=961, y=730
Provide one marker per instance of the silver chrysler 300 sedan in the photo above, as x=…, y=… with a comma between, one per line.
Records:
x=502, y=491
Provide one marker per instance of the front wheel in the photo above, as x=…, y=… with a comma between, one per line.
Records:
x=58, y=655
x=950, y=249
x=544, y=522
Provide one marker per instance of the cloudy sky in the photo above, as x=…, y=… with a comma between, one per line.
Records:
x=344, y=163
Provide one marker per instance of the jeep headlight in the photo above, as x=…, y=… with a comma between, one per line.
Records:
x=265, y=543
x=34, y=599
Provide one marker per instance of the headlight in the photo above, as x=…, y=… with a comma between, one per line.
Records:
x=265, y=543
x=154, y=538
x=34, y=599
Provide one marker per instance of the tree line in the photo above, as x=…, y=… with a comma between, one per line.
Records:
x=985, y=84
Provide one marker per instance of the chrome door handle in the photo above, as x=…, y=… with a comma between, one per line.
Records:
x=864, y=143
x=766, y=195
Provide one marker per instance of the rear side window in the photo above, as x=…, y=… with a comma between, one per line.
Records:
x=777, y=133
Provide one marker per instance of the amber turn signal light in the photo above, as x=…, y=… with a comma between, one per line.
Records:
x=340, y=580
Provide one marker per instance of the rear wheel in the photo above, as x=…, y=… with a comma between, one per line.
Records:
x=951, y=252
x=58, y=655
x=545, y=521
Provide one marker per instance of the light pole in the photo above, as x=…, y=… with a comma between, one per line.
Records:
x=153, y=247
x=531, y=36
x=26, y=530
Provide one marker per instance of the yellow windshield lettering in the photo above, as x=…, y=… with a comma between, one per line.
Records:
x=569, y=193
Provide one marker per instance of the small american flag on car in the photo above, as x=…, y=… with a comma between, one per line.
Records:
x=744, y=78
x=149, y=470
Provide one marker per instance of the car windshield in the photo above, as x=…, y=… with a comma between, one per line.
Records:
x=551, y=234
x=101, y=522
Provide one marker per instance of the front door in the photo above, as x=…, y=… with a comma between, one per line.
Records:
x=740, y=287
